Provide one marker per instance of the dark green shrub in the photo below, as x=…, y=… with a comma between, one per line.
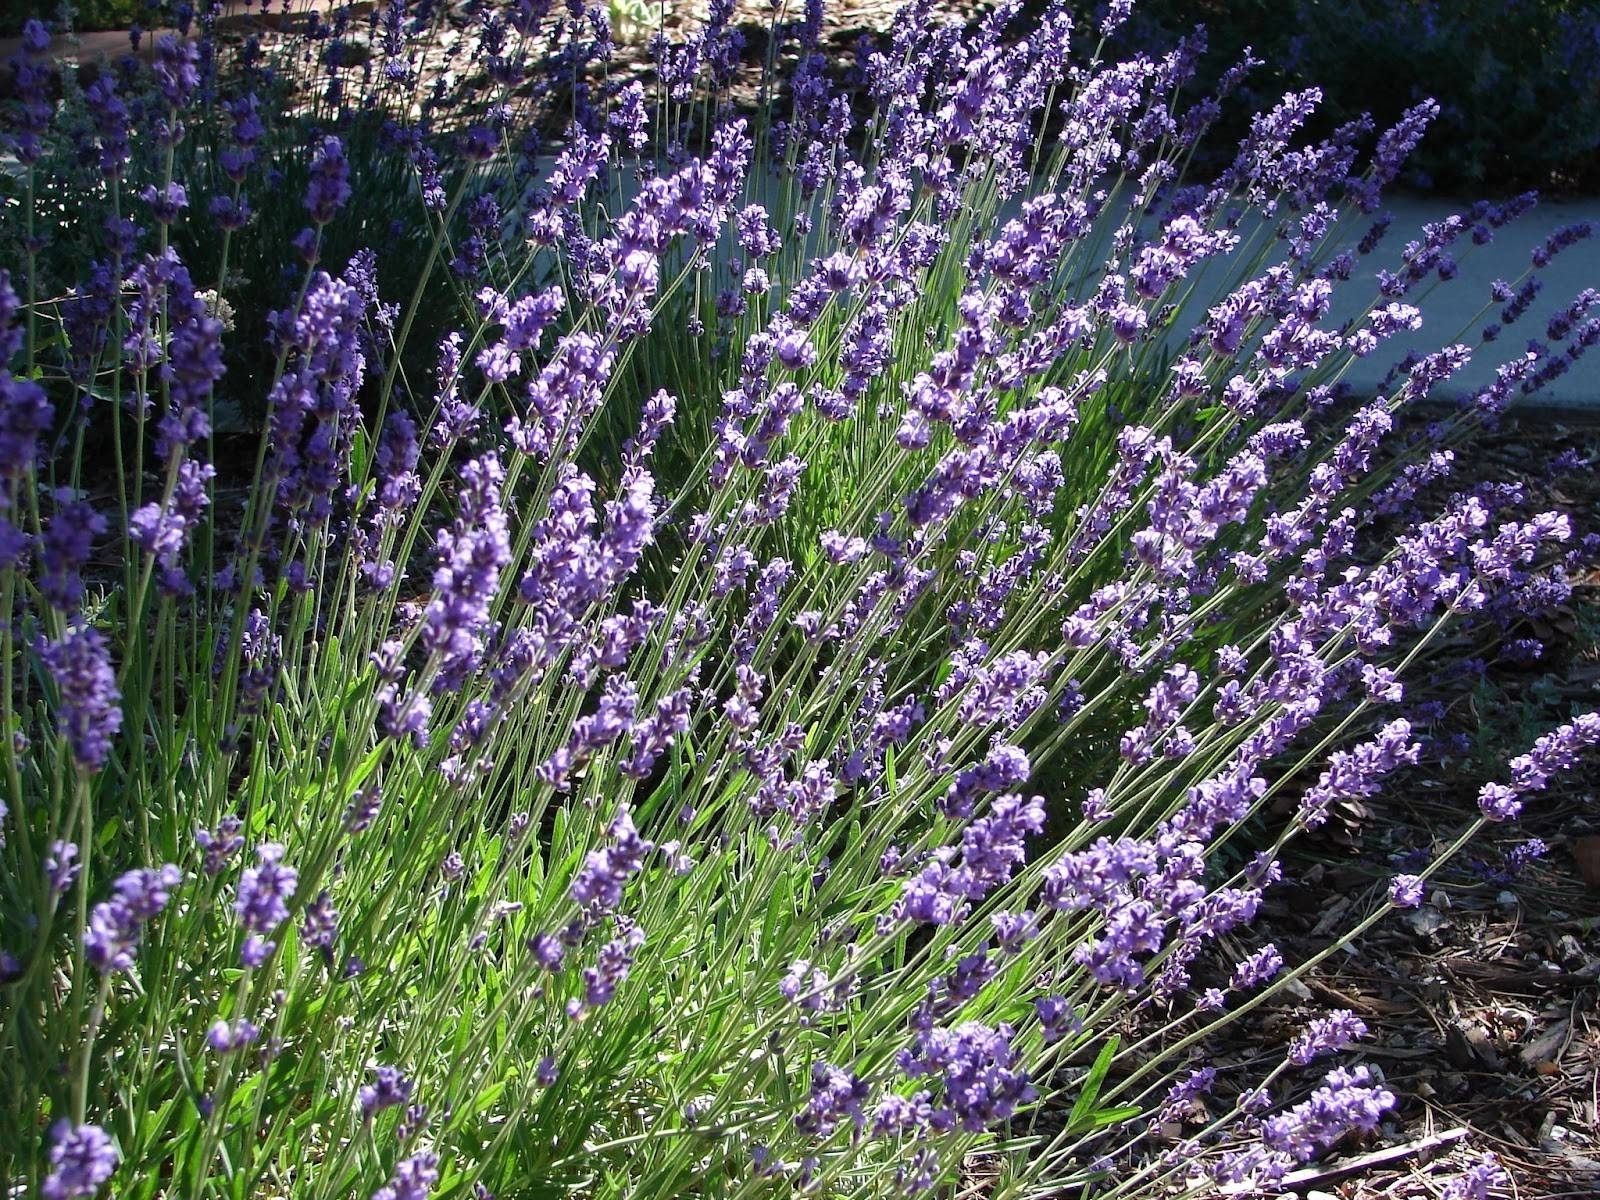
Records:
x=1518, y=81
x=86, y=14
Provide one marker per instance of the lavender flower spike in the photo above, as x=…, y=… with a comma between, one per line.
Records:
x=1478, y=1180
x=262, y=904
x=389, y=1089
x=1326, y=1035
x=114, y=925
x=90, y=713
x=599, y=882
x=330, y=182
x=1405, y=891
x=1557, y=750
x=82, y=1158
x=414, y=1178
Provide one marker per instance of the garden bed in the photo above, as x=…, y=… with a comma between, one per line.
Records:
x=634, y=685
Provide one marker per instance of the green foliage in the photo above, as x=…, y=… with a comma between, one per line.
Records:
x=80, y=15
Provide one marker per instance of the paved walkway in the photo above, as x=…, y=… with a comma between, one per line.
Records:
x=1458, y=310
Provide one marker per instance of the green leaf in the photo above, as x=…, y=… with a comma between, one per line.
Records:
x=360, y=454
x=1100, y=1118
x=1083, y=1113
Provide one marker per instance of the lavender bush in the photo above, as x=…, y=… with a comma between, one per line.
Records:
x=737, y=653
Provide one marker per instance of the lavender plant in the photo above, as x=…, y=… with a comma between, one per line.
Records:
x=739, y=661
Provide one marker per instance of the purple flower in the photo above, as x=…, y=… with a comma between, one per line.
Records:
x=111, y=123
x=901, y=1114
x=1567, y=235
x=1556, y=751
x=1326, y=1035
x=1183, y=1094
x=25, y=413
x=611, y=968
x=176, y=70
x=396, y=461
x=82, y=1159
x=63, y=550
x=757, y=238
x=1057, y=1019
x=313, y=403
x=991, y=847
x=836, y=1096
x=471, y=556
x=1256, y=968
x=225, y=1038
x=388, y=1089
x=114, y=924
x=259, y=653
x=805, y=986
x=1012, y=930
x=320, y=926
x=564, y=396
x=547, y=951
x=1346, y=1102
x=163, y=530
x=982, y=1081
x=628, y=115
x=413, y=1178
x=90, y=712
x=1359, y=772
x=1478, y=1181
x=330, y=182
x=165, y=202
x=1405, y=891
x=1498, y=802
x=363, y=809
x=32, y=73
x=599, y=882
x=1005, y=691
x=262, y=903
x=1004, y=767
x=1518, y=857
x=60, y=866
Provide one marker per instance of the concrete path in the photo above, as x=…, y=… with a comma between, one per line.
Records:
x=1457, y=311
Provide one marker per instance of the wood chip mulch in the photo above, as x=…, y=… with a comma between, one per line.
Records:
x=1484, y=1004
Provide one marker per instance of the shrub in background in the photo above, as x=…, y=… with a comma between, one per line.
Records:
x=85, y=14
x=737, y=662
x=1518, y=84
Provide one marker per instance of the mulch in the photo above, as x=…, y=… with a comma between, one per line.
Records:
x=1483, y=1005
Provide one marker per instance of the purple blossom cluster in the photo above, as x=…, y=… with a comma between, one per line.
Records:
x=90, y=708
x=1326, y=1035
x=83, y=1159
x=313, y=402
x=471, y=557
x=262, y=901
x=992, y=847
x=1348, y=1101
x=1556, y=751
x=598, y=885
x=114, y=925
x=977, y=1075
